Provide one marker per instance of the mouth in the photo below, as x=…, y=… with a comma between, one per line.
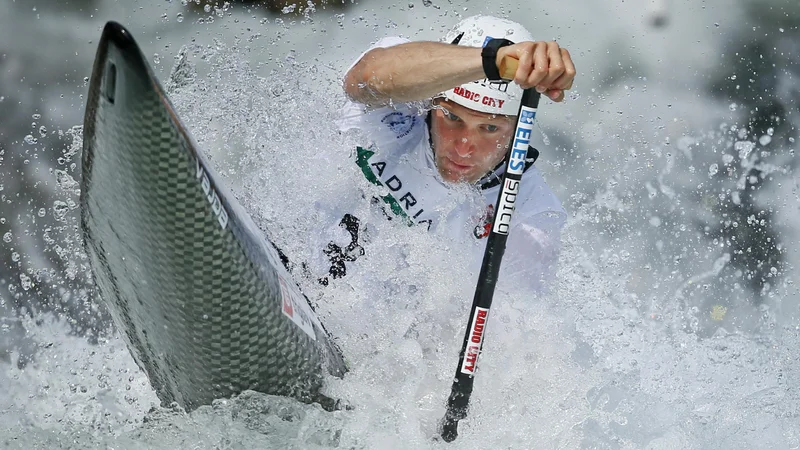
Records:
x=457, y=166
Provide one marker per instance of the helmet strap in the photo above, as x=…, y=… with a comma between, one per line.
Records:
x=494, y=177
x=458, y=38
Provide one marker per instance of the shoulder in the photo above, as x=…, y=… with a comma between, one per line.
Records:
x=538, y=199
x=399, y=123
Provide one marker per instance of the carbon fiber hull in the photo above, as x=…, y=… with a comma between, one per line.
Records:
x=201, y=298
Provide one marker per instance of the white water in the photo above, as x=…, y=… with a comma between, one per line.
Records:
x=627, y=352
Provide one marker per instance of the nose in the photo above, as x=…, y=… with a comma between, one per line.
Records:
x=464, y=146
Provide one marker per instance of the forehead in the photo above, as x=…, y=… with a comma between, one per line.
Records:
x=464, y=112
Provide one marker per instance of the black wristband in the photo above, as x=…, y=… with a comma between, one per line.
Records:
x=489, y=55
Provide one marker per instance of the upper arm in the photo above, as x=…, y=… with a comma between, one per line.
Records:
x=357, y=77
x=356, y=80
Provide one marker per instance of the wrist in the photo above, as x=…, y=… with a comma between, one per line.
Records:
x=491, y=57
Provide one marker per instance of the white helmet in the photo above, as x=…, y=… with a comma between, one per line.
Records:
x=481, y=95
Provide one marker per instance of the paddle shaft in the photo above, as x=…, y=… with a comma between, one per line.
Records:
x=458, y=402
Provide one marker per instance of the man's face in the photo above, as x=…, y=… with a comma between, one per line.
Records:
x=467, y=143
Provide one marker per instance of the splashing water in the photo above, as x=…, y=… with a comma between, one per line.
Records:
x=650, y=338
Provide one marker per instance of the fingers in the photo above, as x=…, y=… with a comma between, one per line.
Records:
x=525, y=56
x=545, y=66
x=540, y=66
x=553, y=66
x=556, y=95
x=564, y=81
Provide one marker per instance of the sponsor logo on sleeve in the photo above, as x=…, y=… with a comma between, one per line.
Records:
x=475, y=341
x=400, y=124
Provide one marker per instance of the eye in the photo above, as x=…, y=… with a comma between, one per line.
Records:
x=450, y=115
x=491, y=128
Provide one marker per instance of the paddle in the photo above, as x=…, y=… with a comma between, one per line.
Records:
x=458, y=402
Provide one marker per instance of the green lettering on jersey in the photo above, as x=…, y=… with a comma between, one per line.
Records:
x=362, y=159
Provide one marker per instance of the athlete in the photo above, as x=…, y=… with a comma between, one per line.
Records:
x=437, y=117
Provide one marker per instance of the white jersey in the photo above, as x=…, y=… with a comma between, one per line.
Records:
x=399, y=157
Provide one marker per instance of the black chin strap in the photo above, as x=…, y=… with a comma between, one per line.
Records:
x=493, y=177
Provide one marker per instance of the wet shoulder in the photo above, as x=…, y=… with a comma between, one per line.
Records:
x=536, y=195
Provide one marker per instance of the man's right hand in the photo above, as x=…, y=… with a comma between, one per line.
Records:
x=543, y=65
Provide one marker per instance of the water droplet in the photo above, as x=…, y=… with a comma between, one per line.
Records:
x=65, y=180
x=207, y=8
x=25, y=281
x=8, y=237
x=42, y=131
x=179, y=17
x=15, y=257
x=744, y=148
x=30, y=140
x=42, y=212
x=733, y=106
x=156, y=58
x=713, y=169
x=60, y=210
x=37, y=116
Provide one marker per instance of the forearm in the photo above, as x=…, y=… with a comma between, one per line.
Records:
x=412, y=71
